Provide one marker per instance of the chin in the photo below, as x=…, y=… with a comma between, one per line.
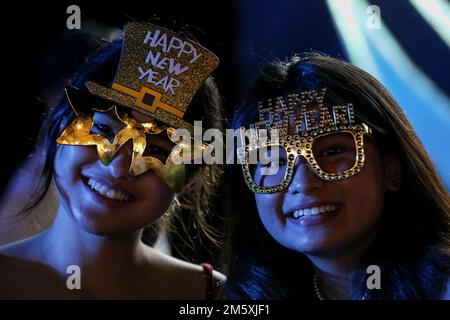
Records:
x=107, y=225
x=101, y=221
x=330, y=249
x=309, y=246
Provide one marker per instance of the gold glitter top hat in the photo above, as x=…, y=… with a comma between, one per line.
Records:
x=159, y=73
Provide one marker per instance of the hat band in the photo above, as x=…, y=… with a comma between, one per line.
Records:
x=148, y=99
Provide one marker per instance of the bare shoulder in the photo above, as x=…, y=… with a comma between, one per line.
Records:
x=23, y=249
x=187, y=280
x=219, y=278
x=16, y=258
x=185, y=267
x=23, y=277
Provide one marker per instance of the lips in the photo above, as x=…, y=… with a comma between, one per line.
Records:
x=108, y=190
x=313, y=211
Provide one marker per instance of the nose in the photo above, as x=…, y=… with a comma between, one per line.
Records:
x=304, y=180
x=119, y=168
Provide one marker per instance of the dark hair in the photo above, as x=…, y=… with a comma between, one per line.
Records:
x=412, y=245
x=195, y=198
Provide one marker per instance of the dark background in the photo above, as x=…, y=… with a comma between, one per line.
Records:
x=38, y=52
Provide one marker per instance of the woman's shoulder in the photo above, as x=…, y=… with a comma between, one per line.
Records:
x=22, y=249
x=189, y=278
x=446, y=295
x=23, y=276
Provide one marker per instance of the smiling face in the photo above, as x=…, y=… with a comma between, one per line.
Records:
x=108, y=199
x=315, y=216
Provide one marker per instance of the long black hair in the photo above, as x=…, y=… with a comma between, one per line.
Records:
x=412, y=245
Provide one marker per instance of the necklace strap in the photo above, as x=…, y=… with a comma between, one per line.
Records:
x=316, y=288
x=320, y=296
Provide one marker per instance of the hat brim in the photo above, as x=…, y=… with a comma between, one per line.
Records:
x=130, y=102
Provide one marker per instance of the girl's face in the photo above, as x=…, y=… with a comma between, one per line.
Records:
x=107, y=199
x=349, y=209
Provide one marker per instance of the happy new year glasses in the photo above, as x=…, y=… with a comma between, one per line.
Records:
x=327, y=137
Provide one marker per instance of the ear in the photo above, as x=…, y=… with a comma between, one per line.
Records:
x=392, y=172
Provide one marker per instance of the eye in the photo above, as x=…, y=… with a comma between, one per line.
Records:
x=332, y=151
x=275, y=163
x=152, y=149
x=102, y=129
x=156, y=152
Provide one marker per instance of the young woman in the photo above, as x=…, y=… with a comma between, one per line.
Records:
x=353, y=207
x=110, y=151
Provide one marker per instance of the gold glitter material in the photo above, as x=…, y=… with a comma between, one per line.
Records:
x=302, y=112
x=158, y=74
x=301, y=120
x=78, y=133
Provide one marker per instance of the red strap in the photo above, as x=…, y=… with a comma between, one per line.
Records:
x=208, y=274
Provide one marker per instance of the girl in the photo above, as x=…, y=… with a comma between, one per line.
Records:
x=109, y=148
x=351, y=192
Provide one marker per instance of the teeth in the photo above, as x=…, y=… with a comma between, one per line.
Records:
x=313, y=211
x=107, y=192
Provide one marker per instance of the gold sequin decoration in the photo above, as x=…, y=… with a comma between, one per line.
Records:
x=149, y=56
x=313, y=120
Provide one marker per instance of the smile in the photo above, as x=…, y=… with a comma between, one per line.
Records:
x=107, y=191
x=313, y=211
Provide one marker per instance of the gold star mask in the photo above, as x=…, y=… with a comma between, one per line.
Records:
x=87, y=129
